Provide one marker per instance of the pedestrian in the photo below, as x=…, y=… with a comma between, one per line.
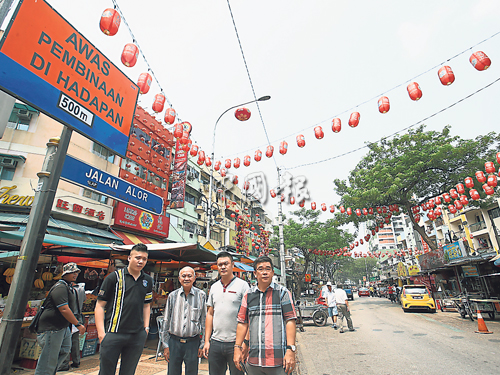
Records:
x=56, y=323
x=184, y=325
x=268, y=313
x=220, y=326
x=343, y=307
x=331, y=302
x=79, y=291
x=122, y=314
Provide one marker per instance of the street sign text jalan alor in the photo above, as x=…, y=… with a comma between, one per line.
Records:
x=47, y=63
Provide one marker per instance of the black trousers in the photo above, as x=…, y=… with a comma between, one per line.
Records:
x=220, y=356
x=128, y=345
x=183, y=352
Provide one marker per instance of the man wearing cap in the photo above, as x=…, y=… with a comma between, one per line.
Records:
x=331, y=302
x=57, y=321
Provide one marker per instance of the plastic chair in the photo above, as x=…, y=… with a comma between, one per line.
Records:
x=159, y=352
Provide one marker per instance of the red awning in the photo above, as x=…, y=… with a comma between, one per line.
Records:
x=132, y=239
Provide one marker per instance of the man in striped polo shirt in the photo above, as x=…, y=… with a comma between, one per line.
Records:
x=122, y=314
x=267, y=310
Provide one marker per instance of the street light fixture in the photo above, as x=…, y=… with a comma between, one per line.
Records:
x=261, y=99
x=211, y=210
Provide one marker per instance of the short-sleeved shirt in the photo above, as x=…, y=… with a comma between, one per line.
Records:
x=267, y=313
x=226, y=302
x=125, y=298
x=340, y=296
x=52, y=319
x=330, y=298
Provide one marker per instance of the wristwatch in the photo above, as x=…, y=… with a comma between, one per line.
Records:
x=293, y=348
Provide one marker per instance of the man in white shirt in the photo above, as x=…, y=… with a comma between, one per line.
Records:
x=330, y=300
x=343, y=307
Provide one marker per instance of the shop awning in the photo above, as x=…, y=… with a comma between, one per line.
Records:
x=50, y=241
x=132, y=239
x=188, y=252
x=243, y=267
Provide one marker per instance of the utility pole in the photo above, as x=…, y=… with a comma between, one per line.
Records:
x=282, y=241
x=48, y=179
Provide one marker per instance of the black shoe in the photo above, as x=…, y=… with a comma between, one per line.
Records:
x=352, y=330
x=341, y=330
x=74, y=365
x=63, y=368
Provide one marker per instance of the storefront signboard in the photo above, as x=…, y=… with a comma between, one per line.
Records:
x=413, y=270
x=80, y=208
x=142, y=221
x=431, y=260
x=470, y=271
x=47, y=63
x=452, y=251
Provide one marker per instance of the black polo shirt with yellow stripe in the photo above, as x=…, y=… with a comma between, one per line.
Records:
x=125, y=298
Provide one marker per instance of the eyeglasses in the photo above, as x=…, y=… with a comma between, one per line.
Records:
x=263, y=269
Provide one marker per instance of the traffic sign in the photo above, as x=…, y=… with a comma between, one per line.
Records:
x=47, y=63
x=89, y=177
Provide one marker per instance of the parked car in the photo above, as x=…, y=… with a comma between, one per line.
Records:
x=363, y=292
x=415, y=297
x=348, y=291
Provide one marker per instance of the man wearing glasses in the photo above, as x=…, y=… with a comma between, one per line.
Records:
x=268, y=313
x=220, y=326
x=184, y=325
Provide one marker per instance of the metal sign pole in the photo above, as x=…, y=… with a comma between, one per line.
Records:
x=30, y=248
x=282, y=241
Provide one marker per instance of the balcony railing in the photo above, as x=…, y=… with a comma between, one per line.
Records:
x=477, y=226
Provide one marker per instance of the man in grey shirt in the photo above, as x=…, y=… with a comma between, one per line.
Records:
x=184, y=325
x=220, y=327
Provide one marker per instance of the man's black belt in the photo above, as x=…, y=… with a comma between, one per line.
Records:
x=184, y=340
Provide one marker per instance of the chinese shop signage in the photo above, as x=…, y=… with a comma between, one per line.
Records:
x=142, y=221
x=81, y=208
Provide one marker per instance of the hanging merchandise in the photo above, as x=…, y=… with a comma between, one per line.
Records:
x=236, y=163
x=414, y=91
x=246, y=160
x=318, y=132
x=170, y=116
x=336, y=125
x=383, y=104
x=269, y=151
x=159, y=103
x=110, y=22
x=144, y=83
x=283, y=147
x=480, y=61
x=301, y=142
x=354, y=119
x=258, y=155
x=446, y=75
x=242, y=114
x=130, y=54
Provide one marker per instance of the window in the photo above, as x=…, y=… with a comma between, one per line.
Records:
x=95, y=196
x=21, y=116
x=174, y=220
x=216, y=236
x=189, y=227
x=190, y=199
x=103, y=152
x=7, y=168
x=494, y=213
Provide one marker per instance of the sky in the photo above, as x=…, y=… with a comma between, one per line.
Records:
x=317, y=60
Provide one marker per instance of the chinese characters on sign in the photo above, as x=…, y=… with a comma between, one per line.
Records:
x=79, y=209
x=291, y=186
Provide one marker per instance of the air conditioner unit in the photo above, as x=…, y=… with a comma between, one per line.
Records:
x=169, y=196
x=9, y=162
x=24, y=114
x=199, y=231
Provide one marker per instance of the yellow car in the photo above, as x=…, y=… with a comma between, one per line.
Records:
x=416, y=297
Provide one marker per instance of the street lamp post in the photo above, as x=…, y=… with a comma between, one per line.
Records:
x=264, y=98
x=212, y=210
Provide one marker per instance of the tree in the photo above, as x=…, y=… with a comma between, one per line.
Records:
x=305, y=232
x=410, y=169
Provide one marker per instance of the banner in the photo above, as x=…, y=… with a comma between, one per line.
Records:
x=142, y=221
x=431, y=260
x=178, y=192
x=452, y=251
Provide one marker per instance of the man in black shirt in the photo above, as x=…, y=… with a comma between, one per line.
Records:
x=54, y=329
x=122, y=314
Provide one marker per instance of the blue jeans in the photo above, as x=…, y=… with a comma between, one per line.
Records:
x=220, y=356
x=55, y=347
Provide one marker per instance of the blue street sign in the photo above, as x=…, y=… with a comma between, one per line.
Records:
x=89, y=177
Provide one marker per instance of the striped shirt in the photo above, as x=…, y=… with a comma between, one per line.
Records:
x=267, y=313
x=184, y=315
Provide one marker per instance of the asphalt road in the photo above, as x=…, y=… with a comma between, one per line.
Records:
x=388, y=341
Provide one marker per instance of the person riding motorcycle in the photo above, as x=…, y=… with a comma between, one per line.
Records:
x=391, y=290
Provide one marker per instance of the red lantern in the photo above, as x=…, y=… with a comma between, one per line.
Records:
x=336, y=125
x=318, y=132
x=349, y=211
x=437, y=212
x=453, y=193
x=313, y=205
x=258, y=155
x=222, y=172
x=282, y=197
x=130, y=54
x=185, y=138
x=489, y=167
x=358, y=212
x=200, y=161
x=458, y=205
x=236, y=163
x=464, y=200
x=110, y=22
x=208, y=161
x=446, y=197
x=201, y=155
x=269, y=151
x=498, y=157
x=492, y=180
x=480, y=61
x=178, y=131
x=446, y=75
x=292, y=200
x=342, y=209
x=469, y=182
x=323, y=207
x=170, y=116
x=246, y=185
x=283, y=147
x=437, y=200
x=235, y=181
x=187, y=146
x=460, y=188
x=332, y=208
x=354, y=119
x=361, y=242
x=383, y=104
x=480, y=176
x=416, y=217
x=474, y=194
x=246, y=160
x=370, y=211
x=301, y=142
x=301, y=204
x=365, y=211
x=194, y=150
x=414, y=91
x=233, y=215
x=273, y=193
x=452, y=209
x=242, y=114
x=159, y=103
x=217, y=165
x=144, y=82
